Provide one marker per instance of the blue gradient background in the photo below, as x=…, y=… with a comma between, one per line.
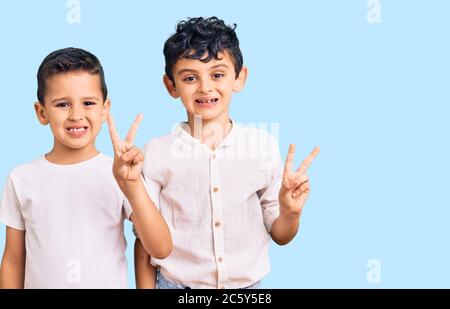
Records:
x=375, y=97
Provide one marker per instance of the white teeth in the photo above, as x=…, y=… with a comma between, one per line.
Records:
x=76, y=130
x=207, y=101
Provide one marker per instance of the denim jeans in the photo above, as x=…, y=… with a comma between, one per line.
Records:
x=163, y=283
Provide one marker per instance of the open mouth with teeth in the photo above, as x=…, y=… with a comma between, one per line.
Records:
x=207, y=102
x=77, y=131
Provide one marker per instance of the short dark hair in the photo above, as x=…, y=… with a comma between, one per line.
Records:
x=196, y=37
x=68, y=60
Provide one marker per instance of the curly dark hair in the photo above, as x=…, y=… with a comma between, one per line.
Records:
x=68, y=60
x=202, y=39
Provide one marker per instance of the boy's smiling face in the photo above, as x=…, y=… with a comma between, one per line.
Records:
x=206, y=88
x=74, y=108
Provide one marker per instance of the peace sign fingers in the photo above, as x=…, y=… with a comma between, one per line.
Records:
x=289, y=160
x=307, y=162
x=133, y=129
x=117, y=142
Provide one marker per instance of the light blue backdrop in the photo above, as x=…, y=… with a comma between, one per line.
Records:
x=374, y=96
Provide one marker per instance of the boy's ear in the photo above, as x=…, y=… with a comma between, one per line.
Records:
x=170, y=86
x=40, y=113
x=106, y=109
x=239, y=83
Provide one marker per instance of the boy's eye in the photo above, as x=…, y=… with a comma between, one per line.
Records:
x=189, y=78
x=62, y=105
x=89, y=103
x=218, y=75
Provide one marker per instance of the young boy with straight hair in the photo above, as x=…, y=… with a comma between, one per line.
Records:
x=64, y=212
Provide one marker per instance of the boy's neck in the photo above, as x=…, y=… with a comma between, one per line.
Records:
x=65, y=156
x=209, y=132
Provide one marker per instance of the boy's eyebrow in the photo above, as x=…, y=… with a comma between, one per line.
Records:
x=211, y=68
x=185, y=70
x=67, y=98
x=90, y=98
x=220, y=65
x=60, y=99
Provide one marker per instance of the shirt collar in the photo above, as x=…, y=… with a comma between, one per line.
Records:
x=182, y=131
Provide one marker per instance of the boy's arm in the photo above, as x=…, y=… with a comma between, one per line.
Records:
x=293, y=194
x=145, y=273
x=149, y=223
x=128, y=161
x=12, y=270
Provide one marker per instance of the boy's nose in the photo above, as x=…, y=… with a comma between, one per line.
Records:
x=205, y=86
x=76, y=114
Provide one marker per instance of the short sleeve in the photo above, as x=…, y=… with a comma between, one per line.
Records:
x=269, y=195
x=10, y=211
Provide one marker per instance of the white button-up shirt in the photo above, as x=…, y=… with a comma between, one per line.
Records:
x=219, y=205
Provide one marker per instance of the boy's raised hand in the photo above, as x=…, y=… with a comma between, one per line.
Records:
x=128, y=159
x=295, y=186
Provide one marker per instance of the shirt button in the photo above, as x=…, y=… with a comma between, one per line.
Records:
x=215, y=189
x=213, y=156
x=220, y=260
x=217, y=224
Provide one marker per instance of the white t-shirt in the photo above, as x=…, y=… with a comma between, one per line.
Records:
x=73, y=217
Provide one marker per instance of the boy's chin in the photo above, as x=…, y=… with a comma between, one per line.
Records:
x=71, y=147
x=77, y=145
x=208, y=115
